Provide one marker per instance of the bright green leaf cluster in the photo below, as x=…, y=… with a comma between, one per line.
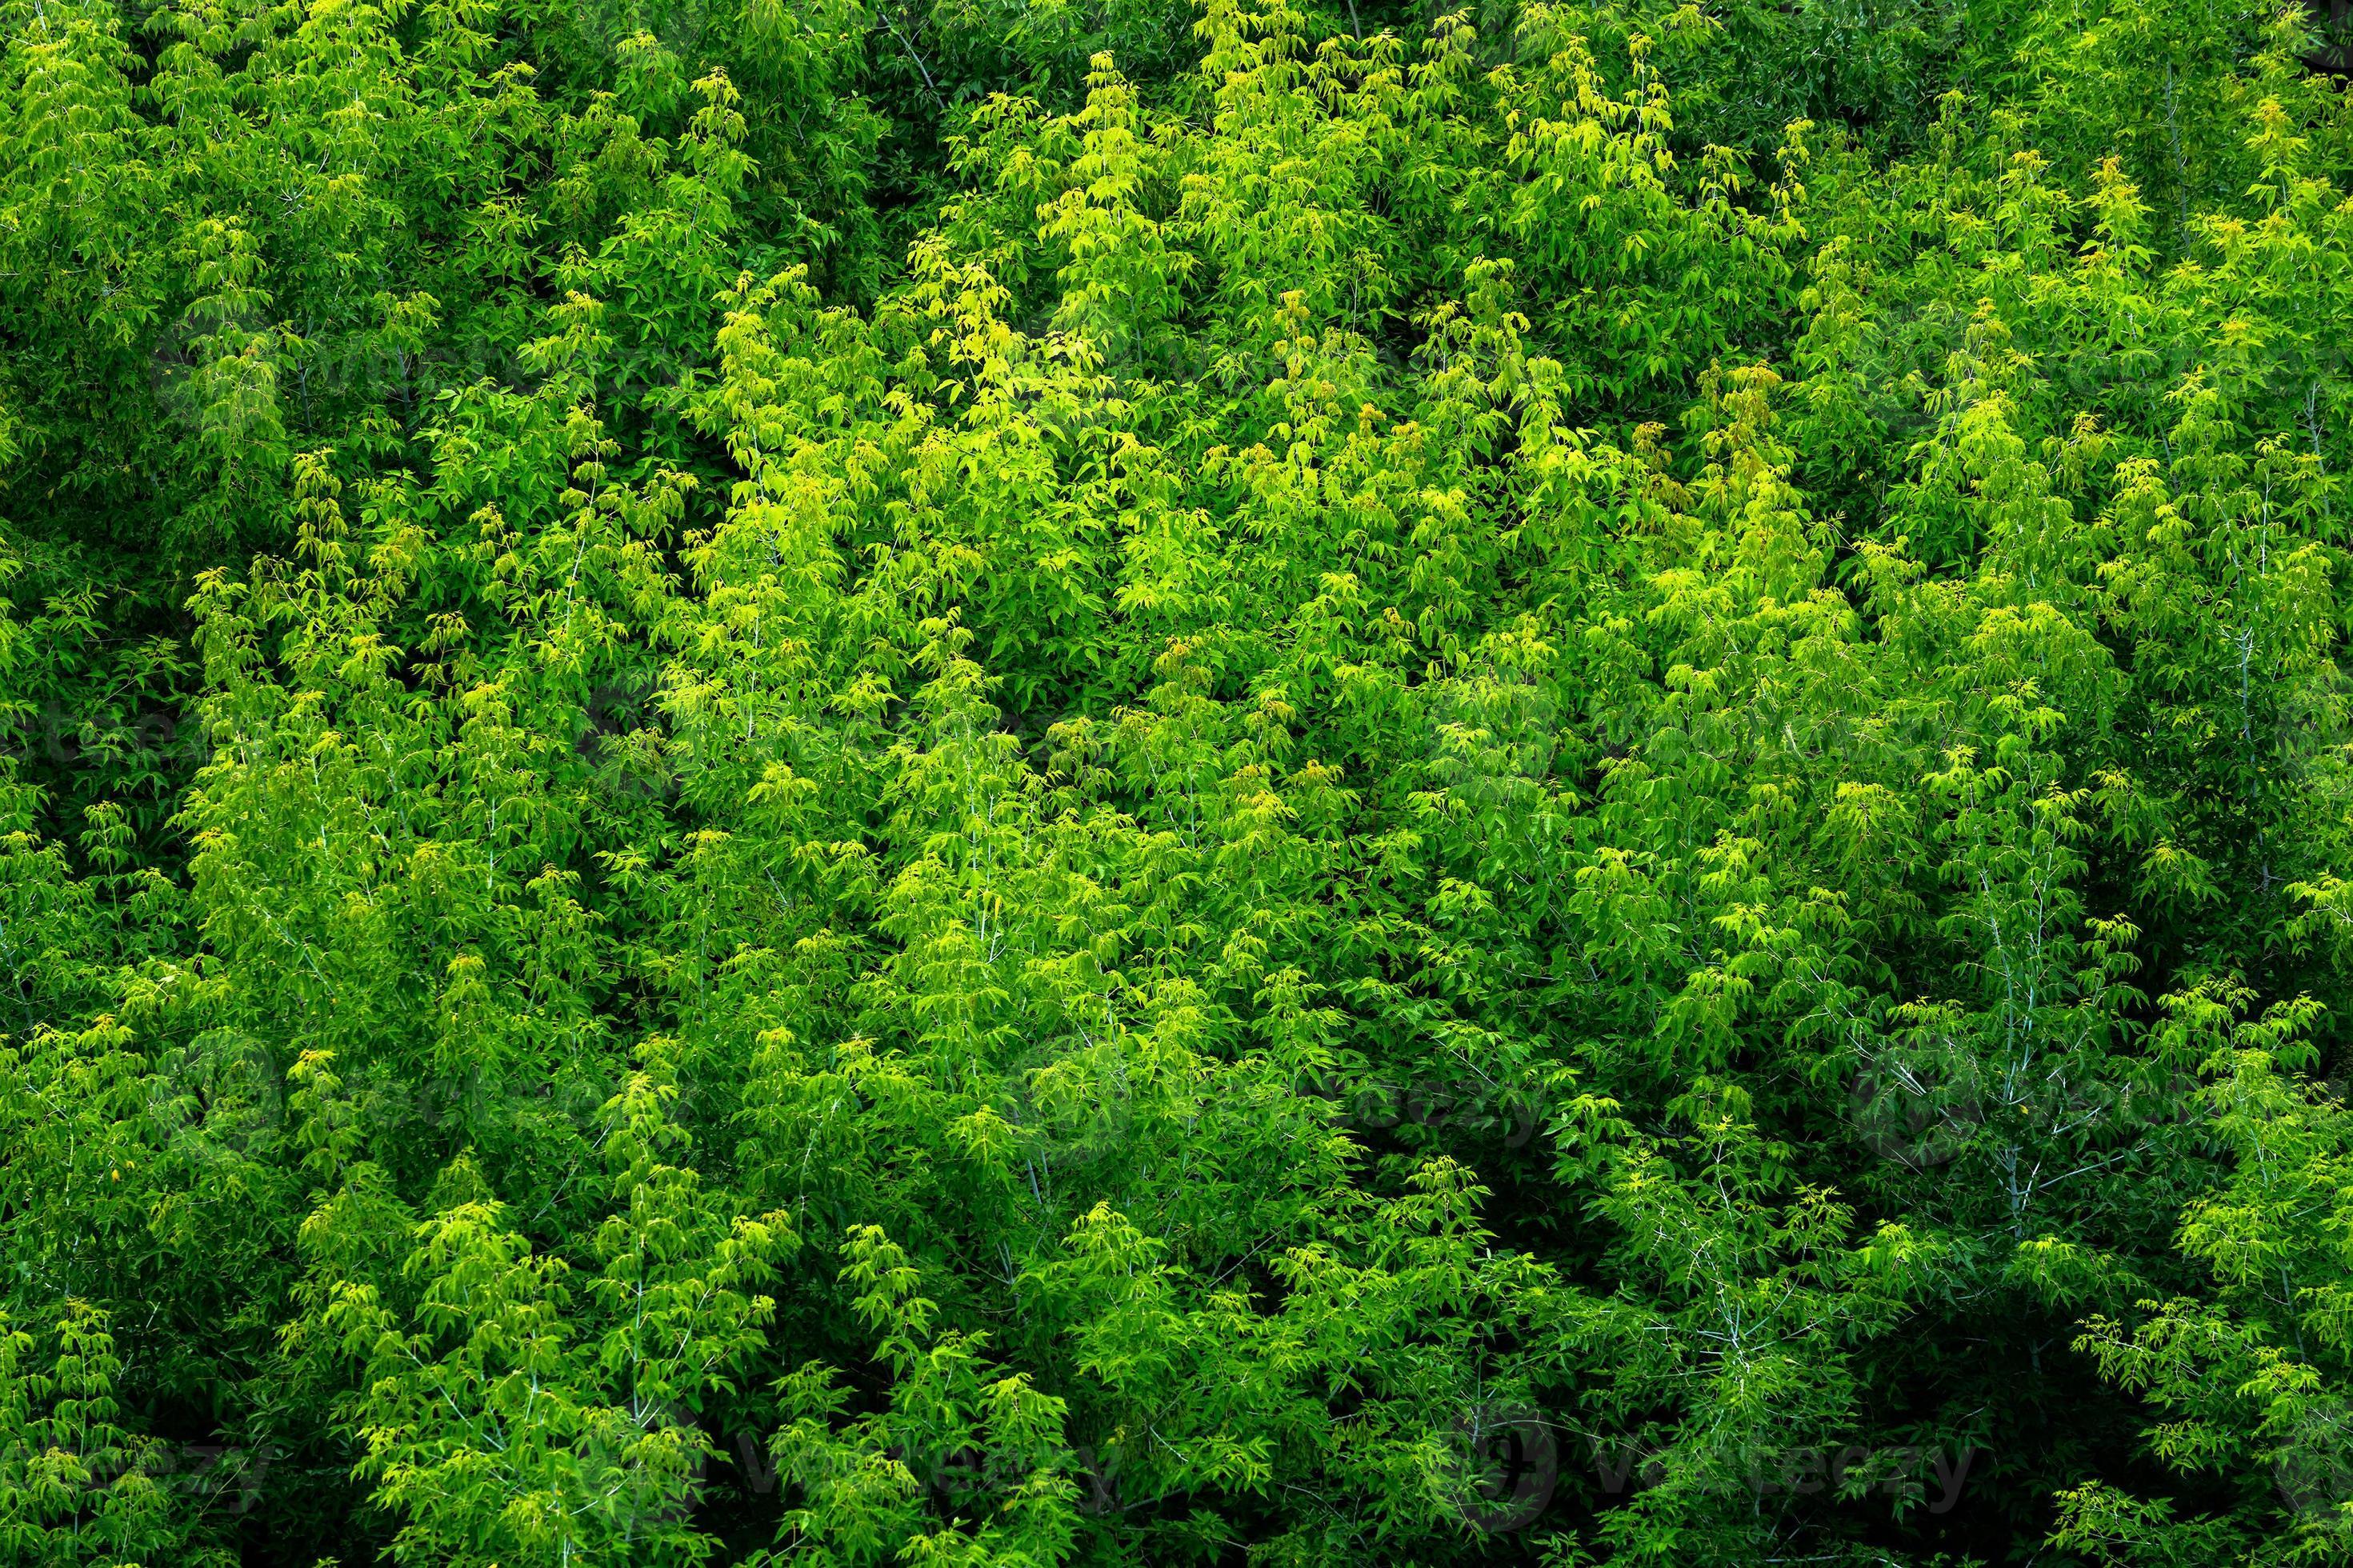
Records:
x=1273, y=782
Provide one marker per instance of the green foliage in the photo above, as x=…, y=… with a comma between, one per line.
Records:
x=1038, y=785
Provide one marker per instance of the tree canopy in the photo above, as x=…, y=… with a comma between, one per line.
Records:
x=1004, y=783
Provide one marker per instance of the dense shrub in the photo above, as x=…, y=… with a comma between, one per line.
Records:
x=1044, y=784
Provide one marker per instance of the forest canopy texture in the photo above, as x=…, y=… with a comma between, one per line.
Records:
x=1112, y=782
